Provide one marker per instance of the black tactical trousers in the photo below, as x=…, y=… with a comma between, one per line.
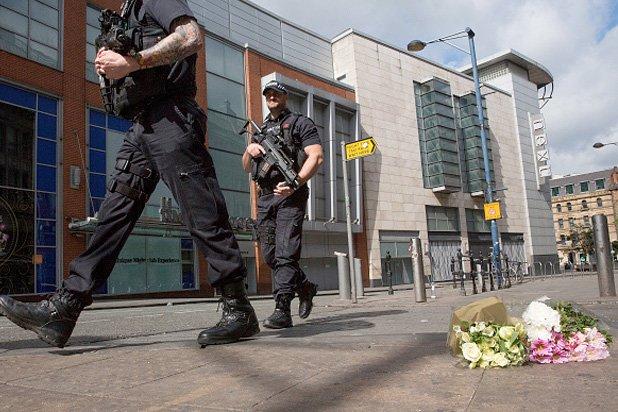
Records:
x=166, y=142
x=280, y=223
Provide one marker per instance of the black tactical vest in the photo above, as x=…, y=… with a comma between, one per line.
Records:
x=293, y=147
x=133, y=93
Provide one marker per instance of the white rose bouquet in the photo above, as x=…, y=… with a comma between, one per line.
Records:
x=489, y=345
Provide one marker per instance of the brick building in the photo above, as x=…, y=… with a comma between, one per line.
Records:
x=575, y=199
x=58, y=148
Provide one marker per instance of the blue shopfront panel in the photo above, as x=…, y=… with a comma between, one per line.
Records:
x=46, y=126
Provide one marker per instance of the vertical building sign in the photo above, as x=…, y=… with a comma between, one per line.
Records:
x=540, y=148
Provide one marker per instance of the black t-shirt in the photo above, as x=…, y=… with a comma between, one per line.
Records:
x=164, y=13
x=303, y=131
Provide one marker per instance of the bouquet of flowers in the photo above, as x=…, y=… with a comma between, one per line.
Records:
x=487, y=345
x=561, y=334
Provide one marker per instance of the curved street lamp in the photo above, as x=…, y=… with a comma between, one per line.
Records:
x=599, y=145
x=418, y=45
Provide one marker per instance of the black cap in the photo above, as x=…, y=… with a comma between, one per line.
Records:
x=276, y=86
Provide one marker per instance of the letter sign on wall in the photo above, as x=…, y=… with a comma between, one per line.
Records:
x=540, y=147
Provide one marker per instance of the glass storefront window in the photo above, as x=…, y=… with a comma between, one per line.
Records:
x=320, y=181
x=28, y=186
x=152, y=263
x=344, y=131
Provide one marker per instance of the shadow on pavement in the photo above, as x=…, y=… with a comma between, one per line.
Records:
x=336, y=323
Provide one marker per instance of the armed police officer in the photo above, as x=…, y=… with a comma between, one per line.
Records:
x=281, y=204
x=154, y=85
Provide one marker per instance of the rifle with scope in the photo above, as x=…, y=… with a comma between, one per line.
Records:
x=275, y=156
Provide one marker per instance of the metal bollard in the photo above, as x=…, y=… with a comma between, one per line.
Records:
x=360, y=290
x=418, y=269
x=508, y=272
x=343, y=270
x=605, y=268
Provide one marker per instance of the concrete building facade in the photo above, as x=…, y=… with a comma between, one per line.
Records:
x=426, y=180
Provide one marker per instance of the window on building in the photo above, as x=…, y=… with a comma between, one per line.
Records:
x=29, y=28
x=572, y=222
x=569, y=206
x=584, y=204
x=226, y=116
x=469, y=139
x=437, y=136
x=599, y=202
x=555, y=191
x=561, y=223
x=583, y=187
x=600, y=184
x=558, y=208
x=344, y=131
x=475, y=220
x=587, y=220
x=92, y=31
x=320, y=182
x=568, y=189
x=442, y=219
x=563, y=239
x=28, y=190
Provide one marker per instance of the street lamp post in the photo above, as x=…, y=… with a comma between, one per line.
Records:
x=418, y=45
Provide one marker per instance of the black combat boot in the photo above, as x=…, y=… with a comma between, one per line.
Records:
x=238, y=319
x=281, y=317
x=305, y=296
x=52, y=319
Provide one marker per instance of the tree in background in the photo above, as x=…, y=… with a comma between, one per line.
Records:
x=582, y=240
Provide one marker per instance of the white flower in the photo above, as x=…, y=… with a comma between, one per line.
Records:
x=457, y=329
x=538, y=332
x=507, y=333
x=471, y=352
x=540, y=320
x=489, y=331
x=501, y=360
x=465, y=337
x=488, y=356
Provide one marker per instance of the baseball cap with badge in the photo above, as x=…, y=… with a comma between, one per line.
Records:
x=275, y=86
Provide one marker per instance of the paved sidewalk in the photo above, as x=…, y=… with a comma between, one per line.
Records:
x=385, y=353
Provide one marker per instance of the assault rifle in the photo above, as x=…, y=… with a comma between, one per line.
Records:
x=275, y=156
x=115, y=36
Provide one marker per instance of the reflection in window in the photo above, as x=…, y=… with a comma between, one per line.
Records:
x=29, y=28
x=568, y=189
x=583, y=187
x=226, y=116
x=475, y=219
x=600, y=184
x=555, y=191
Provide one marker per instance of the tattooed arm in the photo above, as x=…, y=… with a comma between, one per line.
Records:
x=184, y=40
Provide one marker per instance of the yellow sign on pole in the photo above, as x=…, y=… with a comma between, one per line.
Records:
x=360, y=148
x=492, y=211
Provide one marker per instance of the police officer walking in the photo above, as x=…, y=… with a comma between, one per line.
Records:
x=154, y=86
x=281, y=208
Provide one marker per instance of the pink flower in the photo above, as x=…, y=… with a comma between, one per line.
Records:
x=597, y=354
x=578, y=354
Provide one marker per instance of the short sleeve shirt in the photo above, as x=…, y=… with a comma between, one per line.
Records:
x=166, y=11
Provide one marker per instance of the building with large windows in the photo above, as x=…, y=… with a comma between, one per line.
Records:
x=575, y=199
x=427, y=180
x=58, y=150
